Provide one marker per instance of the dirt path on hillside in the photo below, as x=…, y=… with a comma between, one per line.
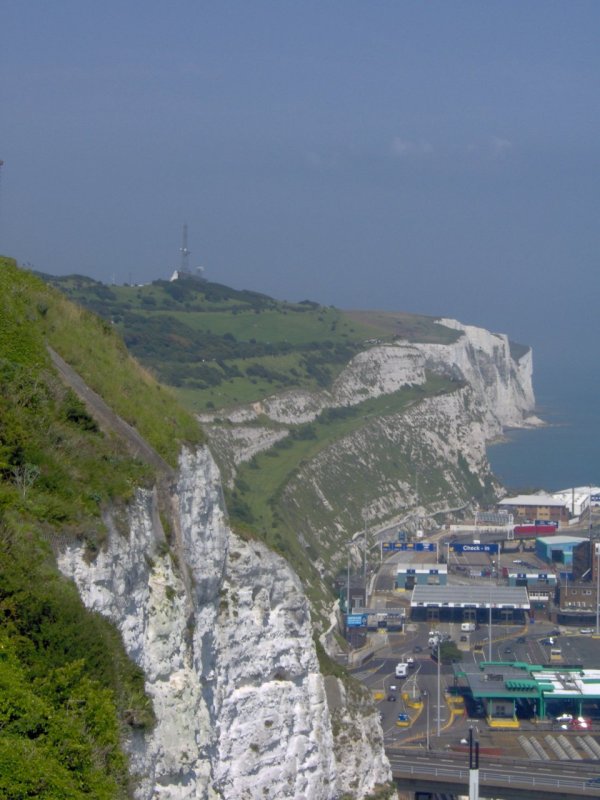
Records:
x=107, y=420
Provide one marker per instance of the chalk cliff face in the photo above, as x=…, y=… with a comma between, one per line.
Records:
x=375, y=470
x=502, y=384
x=222, y=629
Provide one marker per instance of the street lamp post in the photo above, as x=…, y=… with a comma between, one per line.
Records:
x=597, y=546
x=490, y=625
x=438, y=687
x=426, y=698
x=348, y=586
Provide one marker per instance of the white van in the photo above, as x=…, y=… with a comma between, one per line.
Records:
x=401, y=670
x=467, y=627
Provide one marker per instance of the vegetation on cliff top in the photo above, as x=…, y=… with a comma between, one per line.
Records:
x=220, y=347
x=67, y=688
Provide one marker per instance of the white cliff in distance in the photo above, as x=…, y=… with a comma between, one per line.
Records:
x=501, y=382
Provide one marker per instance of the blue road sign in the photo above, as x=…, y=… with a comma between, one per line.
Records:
x=459, y=547
x=356, y=620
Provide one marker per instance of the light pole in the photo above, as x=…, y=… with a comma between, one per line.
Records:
x=597, y=546
x=490, y=625
x=365, y=554
x=348, y=586
x=426, y=698
x=438, y=688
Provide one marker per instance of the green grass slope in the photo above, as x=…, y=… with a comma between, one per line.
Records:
x=67, y=689
x=220, y=346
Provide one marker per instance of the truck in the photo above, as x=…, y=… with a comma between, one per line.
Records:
x=468, y=627
x=538, y=528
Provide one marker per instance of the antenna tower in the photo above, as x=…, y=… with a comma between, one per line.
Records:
x=185, y=253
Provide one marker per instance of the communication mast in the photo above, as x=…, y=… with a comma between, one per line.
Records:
x=185, y=253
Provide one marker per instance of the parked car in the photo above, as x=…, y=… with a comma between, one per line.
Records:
x=565, y=718
x=586, y=631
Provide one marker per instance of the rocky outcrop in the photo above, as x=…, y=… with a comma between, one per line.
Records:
x=501, y=382
x=222, y=629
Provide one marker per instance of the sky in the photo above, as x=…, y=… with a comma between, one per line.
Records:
x=439, y=157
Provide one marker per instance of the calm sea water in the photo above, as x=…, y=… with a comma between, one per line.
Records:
x=564, y=454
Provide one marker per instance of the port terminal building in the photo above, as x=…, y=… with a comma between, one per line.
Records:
x=470, y=603
x=505, y=688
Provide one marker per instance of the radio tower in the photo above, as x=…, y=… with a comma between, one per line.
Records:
x=185, y=253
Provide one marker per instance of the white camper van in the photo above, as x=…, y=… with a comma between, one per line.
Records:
x=401, y=670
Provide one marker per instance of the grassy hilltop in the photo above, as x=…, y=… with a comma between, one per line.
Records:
x=67, y=689
x=220, y=347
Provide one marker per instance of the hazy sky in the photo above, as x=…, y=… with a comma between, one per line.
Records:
x=438, y=157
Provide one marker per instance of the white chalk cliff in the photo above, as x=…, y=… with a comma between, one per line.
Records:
x=446, y=433
x=502, y=385
x=222, y=629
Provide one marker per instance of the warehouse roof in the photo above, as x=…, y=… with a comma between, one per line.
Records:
x=470, y=596
x=532, y=500
x=561, y=540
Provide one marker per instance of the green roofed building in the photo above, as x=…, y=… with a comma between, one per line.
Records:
x=502, y=686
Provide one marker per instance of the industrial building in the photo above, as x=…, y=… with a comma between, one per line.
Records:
x=470, y=603
x=530, y=507
x=557, y=549
x=502, y=686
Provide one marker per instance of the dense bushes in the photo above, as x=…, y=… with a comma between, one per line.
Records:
x=63, y=673
x=67, y=688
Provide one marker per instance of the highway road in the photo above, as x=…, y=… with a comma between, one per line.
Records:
x=510, y=778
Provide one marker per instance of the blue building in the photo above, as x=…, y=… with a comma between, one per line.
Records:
x=557, y=549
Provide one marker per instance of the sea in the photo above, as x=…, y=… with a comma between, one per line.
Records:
x=565, y=453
